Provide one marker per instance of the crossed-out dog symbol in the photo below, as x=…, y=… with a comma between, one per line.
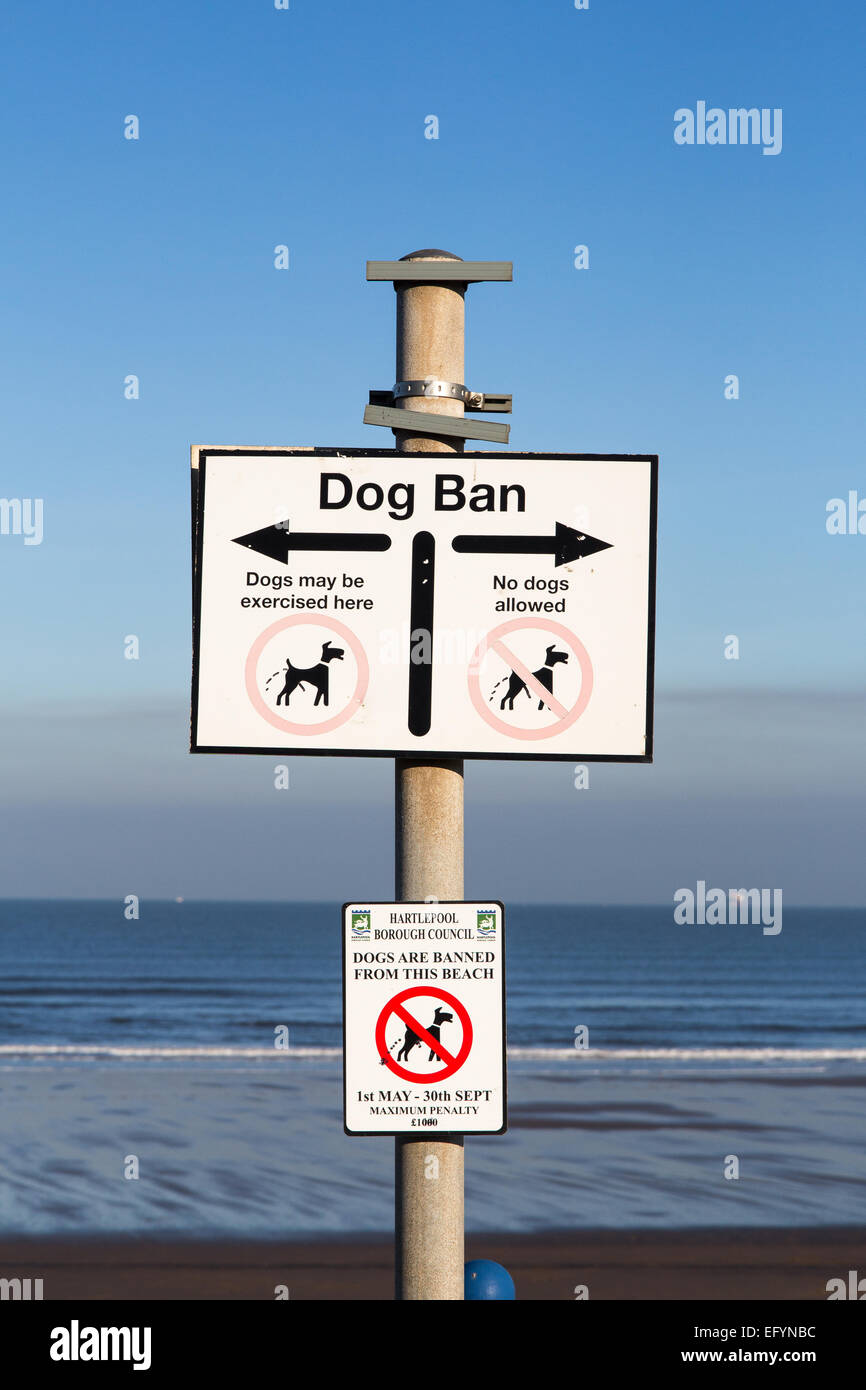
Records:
x=544, y=676
x=411, y=1038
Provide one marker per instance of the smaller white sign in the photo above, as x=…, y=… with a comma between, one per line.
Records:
x=424, y=1018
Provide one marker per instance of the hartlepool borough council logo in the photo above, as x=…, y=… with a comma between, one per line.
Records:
x=486, y=923
x=361, y=925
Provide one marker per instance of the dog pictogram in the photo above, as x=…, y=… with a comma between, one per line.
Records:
x=544, y=676
x=411, y=1038
x=319, y=676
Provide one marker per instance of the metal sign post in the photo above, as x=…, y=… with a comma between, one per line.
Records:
x=428, y=820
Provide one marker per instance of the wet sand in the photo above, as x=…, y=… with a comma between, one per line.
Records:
x=749, y=1264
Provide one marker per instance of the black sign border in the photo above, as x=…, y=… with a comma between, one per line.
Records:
x=199, y=482
x=425, y=1133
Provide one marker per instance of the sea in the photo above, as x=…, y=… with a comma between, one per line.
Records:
x=660, y=1075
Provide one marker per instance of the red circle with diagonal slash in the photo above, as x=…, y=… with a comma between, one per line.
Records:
x=567, y=717
x=395, y=1005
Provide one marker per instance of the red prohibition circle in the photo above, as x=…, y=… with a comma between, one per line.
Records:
x=424, y=1078
x=324, y=726
x=568, y=717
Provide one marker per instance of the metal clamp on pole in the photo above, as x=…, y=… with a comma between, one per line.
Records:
x=430, y=386
x=489, y=400
x=492, y=401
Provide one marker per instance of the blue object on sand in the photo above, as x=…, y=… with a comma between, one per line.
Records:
x=486, y=1279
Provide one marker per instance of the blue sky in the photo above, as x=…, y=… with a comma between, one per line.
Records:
x=306, y=127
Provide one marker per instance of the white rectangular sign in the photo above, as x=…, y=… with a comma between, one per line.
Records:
x=467, y=605
x=424, y=1018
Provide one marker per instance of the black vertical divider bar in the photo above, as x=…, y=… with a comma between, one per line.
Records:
x=421, y=631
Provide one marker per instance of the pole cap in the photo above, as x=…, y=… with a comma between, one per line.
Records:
x=431, y=254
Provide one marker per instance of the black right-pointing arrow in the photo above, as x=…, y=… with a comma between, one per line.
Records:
x=565, y=545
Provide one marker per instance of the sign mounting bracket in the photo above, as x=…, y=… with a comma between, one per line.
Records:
x=417, y=423
x=440, y=272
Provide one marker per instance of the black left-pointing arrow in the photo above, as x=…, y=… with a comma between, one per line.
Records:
x=277, y=541
x=565, y=545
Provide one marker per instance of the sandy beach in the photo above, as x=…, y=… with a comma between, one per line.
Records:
x=675, y=1265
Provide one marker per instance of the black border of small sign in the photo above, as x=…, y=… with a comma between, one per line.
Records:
x=427, y=1133
x=198, y=495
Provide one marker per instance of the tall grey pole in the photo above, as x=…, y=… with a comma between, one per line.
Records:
x=428, y=1173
